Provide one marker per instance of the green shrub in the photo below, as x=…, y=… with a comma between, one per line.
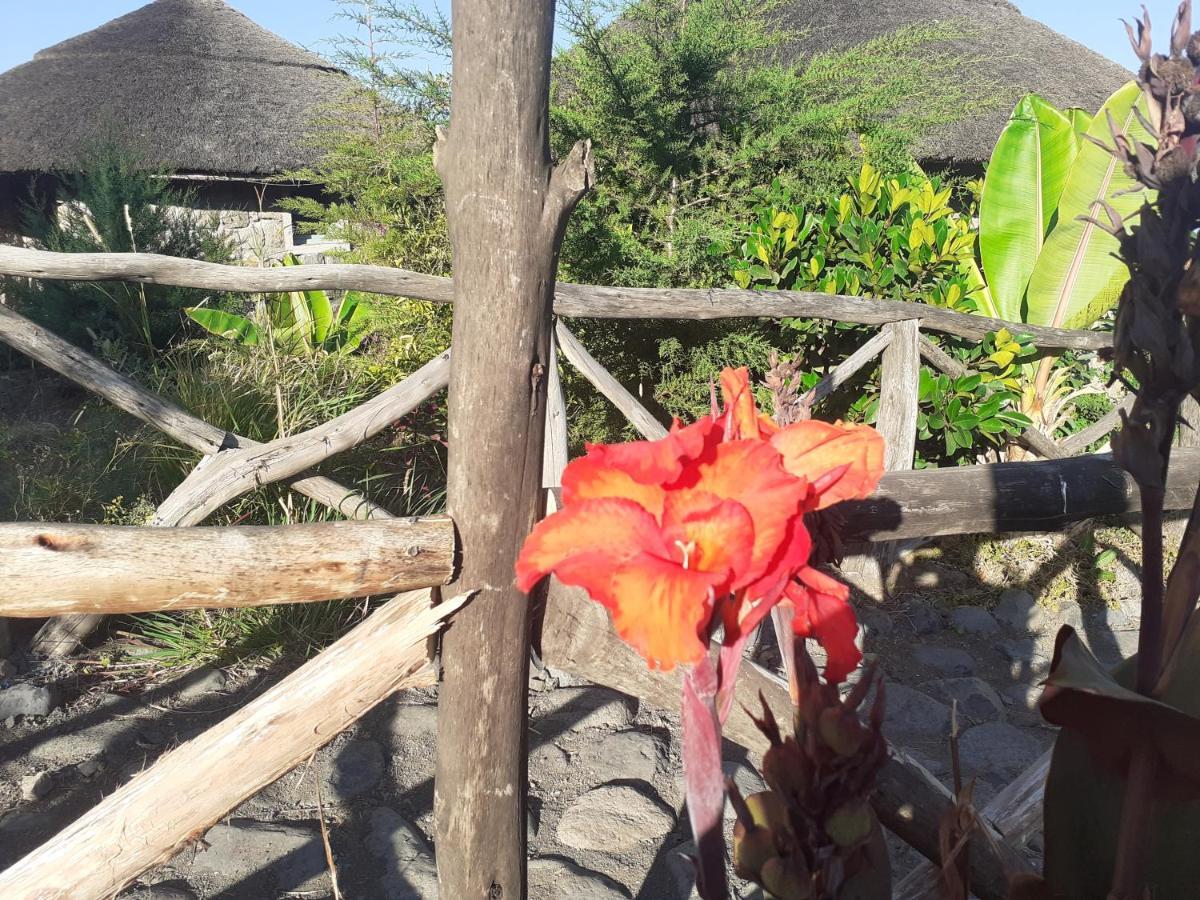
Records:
x=113, y=204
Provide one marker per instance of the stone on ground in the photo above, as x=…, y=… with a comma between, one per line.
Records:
x=949, y=661
x=409, y=869
x=28, y=700
x=614, y=818
x=574, y=709
x=973, y=620
x=1018, y=611
x=622, y=755
x=977, y=700
x=244, y=856
x=357, y=767
x=996, y=753
x=911, y=715
x=555, y=878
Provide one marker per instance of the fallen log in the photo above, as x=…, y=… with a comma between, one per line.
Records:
x=171, y=804
x=51, y=570
x=576, y=636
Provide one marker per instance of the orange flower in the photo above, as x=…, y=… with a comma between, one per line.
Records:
x=706, y=522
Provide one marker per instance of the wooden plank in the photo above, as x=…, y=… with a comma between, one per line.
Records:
x=170, y=805
x=849, y=367
x=569, y=299
x=639, y=417
x=231, y=473
x=1015, y=813
x=577, y=637
x=55, y=569
x=999, y=498
x=899, y=389
x=557, y=452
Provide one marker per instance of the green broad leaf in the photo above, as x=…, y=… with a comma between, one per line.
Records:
x=1078, y=276
x=320, y=312
x=223, y=324
x=992, y=426
x=1025, y=180
x=1081, y=121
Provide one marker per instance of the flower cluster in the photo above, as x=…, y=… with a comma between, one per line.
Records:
x=706, y=526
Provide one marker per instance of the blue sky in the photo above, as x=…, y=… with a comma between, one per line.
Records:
x=30, y=26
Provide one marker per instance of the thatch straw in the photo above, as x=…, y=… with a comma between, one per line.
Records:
x=192, y=85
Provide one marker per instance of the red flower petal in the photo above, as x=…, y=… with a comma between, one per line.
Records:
x=751, y=472
x=657, y=462
x=811, y=449
x=590, y=478
x=582, y=544
x=742, y=418
x=823, y=612
x=716, y=535
x=662, y=610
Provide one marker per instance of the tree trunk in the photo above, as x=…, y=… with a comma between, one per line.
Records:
x=507, y=208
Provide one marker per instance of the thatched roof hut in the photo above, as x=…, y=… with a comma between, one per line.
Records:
x=1014, y=53
x=193, y=89
x=194, y=85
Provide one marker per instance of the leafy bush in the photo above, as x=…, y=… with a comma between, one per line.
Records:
x=113, y=204
x=889, y=238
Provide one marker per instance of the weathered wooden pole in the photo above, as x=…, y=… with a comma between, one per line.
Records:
x=507, y=207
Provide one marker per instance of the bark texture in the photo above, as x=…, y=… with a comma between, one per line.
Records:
x=507, y=207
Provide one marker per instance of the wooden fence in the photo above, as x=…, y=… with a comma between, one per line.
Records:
x=145, y=571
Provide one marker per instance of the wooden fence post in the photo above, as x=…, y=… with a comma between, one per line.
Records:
x=899, y=384
x=507, y=209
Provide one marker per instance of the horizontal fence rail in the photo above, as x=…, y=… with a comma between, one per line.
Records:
x=51, y=570
x=573, y=300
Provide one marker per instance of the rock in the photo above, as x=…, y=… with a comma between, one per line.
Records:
x=923, y=618
x=973, y=620
x=555, y=878
x=547, y=762
x=977, y=700
x=357, y=768
x=574, y=709
x=747, y=780
x=875, y=621
x=949, y=661
x=35, y=787
x=410, y=870
x=287, y=855
x=1025, y=656
x=614, y=818
x=28, y=700
x=997, y=752
x=1070, y=614
x=414, y=723
x=90, y=767
x=912, y=715
x=623, y=755
x=7, y=669
x=172, y=890
x=1022, y=700
x=1111, y=619
x=202, y=681
x=1019, y=611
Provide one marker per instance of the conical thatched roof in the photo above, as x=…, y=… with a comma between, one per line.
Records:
x=1017, y=54
x=192, y=85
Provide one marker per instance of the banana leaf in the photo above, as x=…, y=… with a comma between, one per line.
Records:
x=1078, y=276
x=224, y=324
x=1025, y=179
x=1081, y=121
